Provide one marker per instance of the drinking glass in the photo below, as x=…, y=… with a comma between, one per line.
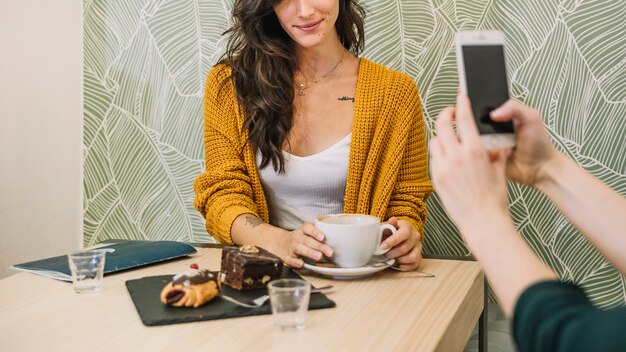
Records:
x=290, y=302
x=87, y=269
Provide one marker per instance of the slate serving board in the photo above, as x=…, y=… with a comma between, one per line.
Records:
x=145, y=293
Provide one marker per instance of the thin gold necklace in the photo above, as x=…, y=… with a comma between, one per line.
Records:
x=307, y=84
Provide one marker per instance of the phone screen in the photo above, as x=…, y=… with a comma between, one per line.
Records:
x=487, y=85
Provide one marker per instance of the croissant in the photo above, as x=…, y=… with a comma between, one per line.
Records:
x=192, y=288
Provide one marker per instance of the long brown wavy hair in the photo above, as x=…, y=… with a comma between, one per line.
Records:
x=263, y=63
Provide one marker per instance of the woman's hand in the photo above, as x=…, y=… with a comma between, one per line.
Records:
x=469, y=180
x=405, y=244
x=305, y=241
x=533, y=150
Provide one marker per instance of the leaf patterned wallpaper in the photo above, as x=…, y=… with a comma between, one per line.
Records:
x=145, y=62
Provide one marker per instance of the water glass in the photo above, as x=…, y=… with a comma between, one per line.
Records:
x=290, y=302
x=87, y=269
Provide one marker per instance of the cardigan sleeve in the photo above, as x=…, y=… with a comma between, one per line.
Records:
x=557, y=316
x=413, y=186
x=224, y=190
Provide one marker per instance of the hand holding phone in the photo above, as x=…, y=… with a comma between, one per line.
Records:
x=482, y=74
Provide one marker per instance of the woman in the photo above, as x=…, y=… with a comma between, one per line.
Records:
x=548, y=315
x=296, y=126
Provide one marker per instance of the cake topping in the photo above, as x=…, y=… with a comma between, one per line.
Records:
x=193, y=277
x=249, y=249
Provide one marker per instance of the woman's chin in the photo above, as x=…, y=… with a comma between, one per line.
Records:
x=310, y=42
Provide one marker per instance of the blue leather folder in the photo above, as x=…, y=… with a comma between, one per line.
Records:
x=120, y=256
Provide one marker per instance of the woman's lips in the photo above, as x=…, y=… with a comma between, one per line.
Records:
x=309, y=27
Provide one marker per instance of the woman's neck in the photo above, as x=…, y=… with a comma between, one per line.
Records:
x=315, y=62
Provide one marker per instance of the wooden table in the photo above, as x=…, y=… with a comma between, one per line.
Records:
x=389, y=311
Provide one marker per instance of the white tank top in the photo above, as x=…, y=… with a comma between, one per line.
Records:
x=310, y=186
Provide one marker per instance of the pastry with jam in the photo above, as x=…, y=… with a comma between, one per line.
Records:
x=191, y=288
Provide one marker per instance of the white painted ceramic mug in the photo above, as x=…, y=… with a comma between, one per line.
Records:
x=355, y=238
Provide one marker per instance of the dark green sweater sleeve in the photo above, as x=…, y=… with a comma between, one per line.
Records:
x=557, y=316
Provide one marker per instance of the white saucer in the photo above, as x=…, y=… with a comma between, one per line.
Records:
x=375, y=265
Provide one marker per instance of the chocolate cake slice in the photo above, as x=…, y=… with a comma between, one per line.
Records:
x=249, y=267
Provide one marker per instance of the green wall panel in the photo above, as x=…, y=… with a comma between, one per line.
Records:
x=146, y=62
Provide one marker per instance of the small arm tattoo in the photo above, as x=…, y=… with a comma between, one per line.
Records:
x=344, y=98
x=253, y=220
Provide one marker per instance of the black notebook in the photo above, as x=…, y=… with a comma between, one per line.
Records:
x=120, y=256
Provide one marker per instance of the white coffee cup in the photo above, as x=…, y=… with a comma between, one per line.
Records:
x=355, y=238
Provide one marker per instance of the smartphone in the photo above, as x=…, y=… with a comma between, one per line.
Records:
x=483, y=79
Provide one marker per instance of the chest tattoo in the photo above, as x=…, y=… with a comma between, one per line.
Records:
x=344, y=98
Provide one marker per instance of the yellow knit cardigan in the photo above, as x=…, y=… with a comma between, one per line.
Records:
x=387, y=168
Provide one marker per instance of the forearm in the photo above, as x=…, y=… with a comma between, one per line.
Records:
x=510, y=265
x=249, y=229
x=596, y=210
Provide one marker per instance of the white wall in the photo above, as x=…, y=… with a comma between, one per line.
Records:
x=40, y=129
